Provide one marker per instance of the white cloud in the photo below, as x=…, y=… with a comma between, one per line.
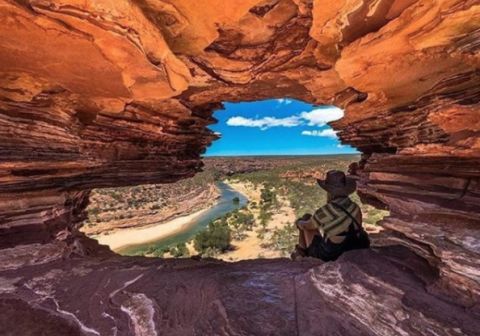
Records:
x=265, y=123
x=318, y=117
x=329, y=133
x=285, y=101
x=321, y=116
x=340, y=146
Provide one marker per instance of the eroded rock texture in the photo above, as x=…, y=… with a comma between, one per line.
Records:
x=383, y=292
x=109, y=93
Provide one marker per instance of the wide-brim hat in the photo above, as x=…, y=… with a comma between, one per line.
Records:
x=337, y=183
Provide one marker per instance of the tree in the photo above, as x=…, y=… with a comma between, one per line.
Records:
x=216, y=236
x=180, y=250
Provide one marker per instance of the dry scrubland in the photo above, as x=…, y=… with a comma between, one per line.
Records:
x=111, y=209
x=279, y=190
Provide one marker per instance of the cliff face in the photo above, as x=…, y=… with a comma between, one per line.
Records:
x=141, y=296
x=110, y=93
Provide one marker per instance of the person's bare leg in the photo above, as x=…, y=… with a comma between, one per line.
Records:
x=302, y=242
x=308, y=236
x=305, y=237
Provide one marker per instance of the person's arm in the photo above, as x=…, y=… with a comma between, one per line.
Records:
x=307, y=223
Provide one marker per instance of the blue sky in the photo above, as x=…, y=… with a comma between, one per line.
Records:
x=276, y=127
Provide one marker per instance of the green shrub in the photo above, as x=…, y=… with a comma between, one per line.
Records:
x=216, y=236
x=284, y=239
x=240, y=221
x=268, y=197
x=180, y=250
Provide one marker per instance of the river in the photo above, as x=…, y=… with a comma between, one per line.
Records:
x=224, y=205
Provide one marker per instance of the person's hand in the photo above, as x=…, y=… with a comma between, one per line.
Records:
x=307, y=216
x=299, y=222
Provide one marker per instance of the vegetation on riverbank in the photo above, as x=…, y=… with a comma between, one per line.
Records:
x=291, y=185
x=298, y=184
x=115, y=208
x=279, y=190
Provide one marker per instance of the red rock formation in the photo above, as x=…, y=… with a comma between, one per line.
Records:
x=110, y=93
x=141, y=296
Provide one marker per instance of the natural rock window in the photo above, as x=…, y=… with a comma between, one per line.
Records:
x=257, y=179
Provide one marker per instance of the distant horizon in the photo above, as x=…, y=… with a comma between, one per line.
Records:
x=281, y=155
x=276, y=127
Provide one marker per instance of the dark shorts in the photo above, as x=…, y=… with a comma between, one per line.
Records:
x=328, y=251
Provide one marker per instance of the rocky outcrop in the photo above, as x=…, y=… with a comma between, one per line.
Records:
x=110, y=209
x=139, y=296
x=111, y=93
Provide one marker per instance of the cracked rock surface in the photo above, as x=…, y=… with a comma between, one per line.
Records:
x=379, y=292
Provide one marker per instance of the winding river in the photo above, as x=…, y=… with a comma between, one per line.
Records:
x=224, y=205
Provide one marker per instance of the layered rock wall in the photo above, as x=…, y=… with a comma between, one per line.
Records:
x=110, y=93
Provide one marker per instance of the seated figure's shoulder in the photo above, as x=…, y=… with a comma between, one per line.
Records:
x=346, y=204
x=322, y=212
x=355, y=208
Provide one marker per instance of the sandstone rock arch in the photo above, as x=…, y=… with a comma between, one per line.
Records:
x=108, y=93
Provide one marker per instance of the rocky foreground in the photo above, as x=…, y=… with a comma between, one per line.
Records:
x=100, y=93
x=386, y=291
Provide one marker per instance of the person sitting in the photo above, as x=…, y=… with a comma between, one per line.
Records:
x=334, y=228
